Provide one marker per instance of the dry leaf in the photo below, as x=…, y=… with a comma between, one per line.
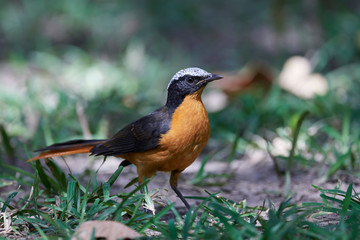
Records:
x=251, y=76
x=110, y=230
x=297, y=78
x=7, y=221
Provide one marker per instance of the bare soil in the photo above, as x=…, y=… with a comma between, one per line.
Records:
x=251, y=178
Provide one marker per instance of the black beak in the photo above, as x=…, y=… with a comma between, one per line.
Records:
x=211, y=78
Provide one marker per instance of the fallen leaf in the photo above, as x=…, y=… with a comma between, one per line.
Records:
x=297, y=78
x=109, y=230
x=251, y=76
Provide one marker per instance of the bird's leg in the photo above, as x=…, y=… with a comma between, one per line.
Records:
x=173, y=183
x=125, y=163
x=142, y=176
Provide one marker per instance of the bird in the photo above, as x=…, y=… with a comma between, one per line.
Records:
x=168, y=139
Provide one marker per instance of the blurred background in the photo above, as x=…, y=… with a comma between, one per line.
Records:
x=83, y=69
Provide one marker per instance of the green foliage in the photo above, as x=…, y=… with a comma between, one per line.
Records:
x=86, y=68
x=58, y=210
x=58, y=204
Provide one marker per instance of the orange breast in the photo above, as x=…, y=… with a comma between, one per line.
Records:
x=181, y=145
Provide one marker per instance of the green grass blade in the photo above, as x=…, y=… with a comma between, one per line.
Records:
x=42, y=175
x=156, y=217
x=136, y=209
x=132, y=182
x=84, y=202
x=234, y=147
x=6, y=142
x=115, y=175
x=295, y=138
x=110, y=181
x=18, y=170
x=7, y=201
x=95, y=183
x=70, y=195
x=200, y=175
x=186, y=226
x=41, y=232
x=58, y=174
x=81, y=187
x=346, y=126
x=347, y=199
x=106, y=191
x=122, y=204
x=338, y=164
x=292, y=152
x=172, y=229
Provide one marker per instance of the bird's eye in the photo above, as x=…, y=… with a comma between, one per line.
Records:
x=190, y=80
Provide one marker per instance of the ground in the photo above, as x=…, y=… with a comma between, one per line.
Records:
x=251, y=178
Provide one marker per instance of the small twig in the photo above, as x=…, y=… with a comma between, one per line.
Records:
x=278, y=172
x=276, y=167
x=102, y=164
x=68, y=167
x=83, y=120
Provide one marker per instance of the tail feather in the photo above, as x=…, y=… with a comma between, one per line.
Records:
x=66, y=148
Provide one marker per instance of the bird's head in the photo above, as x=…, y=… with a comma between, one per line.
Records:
x=190, y=80
x=186, y=82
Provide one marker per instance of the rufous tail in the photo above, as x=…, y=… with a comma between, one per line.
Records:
x=66, y=148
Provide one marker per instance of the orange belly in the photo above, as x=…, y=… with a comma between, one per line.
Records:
x=181, y=145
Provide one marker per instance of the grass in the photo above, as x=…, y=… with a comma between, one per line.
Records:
x=57, y=204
